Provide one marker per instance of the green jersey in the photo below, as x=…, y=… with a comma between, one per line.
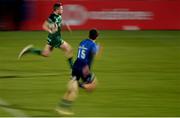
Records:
x=54, y=39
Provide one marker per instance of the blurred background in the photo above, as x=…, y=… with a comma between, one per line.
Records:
x=85, y=14
x=138, y=71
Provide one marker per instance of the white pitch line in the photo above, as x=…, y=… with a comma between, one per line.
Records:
x=14, y=112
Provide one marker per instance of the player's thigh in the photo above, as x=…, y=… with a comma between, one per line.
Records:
x=85, y=71
x=73, y=84
x=66, y=46
x=47, y=50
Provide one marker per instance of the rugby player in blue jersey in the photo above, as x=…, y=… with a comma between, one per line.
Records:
x=81, y=73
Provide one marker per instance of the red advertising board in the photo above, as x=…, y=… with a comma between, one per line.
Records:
x=110, y=14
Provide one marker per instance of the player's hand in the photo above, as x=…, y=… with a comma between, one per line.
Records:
x=53, y=28
x=50, y=31
x=99, y=51
x=90, y=86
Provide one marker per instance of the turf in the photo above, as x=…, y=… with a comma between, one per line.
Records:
x=138, y=73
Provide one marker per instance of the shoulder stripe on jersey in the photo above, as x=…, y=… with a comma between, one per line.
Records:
x=82, y=47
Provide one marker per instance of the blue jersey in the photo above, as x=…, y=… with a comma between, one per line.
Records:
x=86, y=51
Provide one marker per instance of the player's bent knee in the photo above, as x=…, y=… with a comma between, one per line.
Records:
x=67, y=49
x=73, y=89
x=73, y=86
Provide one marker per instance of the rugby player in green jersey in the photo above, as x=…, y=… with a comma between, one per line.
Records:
x=53, y=26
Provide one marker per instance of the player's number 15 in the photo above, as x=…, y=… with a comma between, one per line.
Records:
x=82, y=54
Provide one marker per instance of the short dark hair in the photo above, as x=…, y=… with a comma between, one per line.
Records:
x=93, y=34
x=56, y=6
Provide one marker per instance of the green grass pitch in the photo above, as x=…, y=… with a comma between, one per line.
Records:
x=138, y=73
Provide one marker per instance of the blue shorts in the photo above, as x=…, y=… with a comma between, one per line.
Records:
x=77, y=71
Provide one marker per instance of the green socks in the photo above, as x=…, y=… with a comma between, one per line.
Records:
x=70, y=61
x=35, y=51
x=65, y=103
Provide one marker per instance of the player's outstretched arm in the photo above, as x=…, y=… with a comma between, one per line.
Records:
x=67, y=26
x=99, y=51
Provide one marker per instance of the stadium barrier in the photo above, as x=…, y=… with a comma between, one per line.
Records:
x=107, y=14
